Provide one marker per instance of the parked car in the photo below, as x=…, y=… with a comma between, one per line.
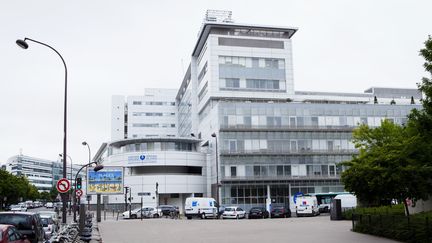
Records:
x=233, y=213
x=280, y=212
x=52, y=214
x=258, y=213
x=48, y=225
x=19, y=208
x=147, y=212
x=28, y=224
x=166, y=209
x=49, y=205
x=9, y=234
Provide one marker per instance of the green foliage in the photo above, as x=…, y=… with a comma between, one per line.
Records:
x=415, y=228
x=13, y=188
x=395, y=162
x=397, y=209
x=383, y=169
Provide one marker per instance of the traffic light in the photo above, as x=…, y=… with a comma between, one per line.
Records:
x=79, y=183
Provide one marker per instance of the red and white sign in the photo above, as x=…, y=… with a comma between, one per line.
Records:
x=78, y=193
x=63, y=185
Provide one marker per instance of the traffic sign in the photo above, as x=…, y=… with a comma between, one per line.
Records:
x=78, y=193
x=63, y=185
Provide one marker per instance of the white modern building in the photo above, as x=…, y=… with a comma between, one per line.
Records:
x=257, y=140
x=41, y=173
x=152, y=114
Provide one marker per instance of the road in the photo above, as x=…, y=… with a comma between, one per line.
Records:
x=308, y=229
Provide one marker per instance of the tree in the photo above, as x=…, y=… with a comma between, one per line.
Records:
x=383, y=169
x=395, y=162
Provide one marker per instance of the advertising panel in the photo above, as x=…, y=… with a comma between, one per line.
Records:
x=109, y=180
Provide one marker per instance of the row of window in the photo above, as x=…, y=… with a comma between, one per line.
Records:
x=308, y=110
x=153, y=103
x=153, y=125
x=153, y=114
x=296, y=170
x=255, y=84
x=252, y=62
x=152, y=146
x=257, y=121
x=285, y=145
x=285, y=159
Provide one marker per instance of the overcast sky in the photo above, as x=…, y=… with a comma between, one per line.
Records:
x=122, y=47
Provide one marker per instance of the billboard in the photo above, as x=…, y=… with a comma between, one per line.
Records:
x=109, y=180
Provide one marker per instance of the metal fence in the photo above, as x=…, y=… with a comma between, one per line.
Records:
x=399, y=227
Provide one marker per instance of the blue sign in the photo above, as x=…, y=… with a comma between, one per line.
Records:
x=194, y=203
x=298, y=194
x=148, y=158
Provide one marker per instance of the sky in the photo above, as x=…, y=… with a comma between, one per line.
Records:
x=122, y=47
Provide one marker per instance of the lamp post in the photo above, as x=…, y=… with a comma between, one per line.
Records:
x=70, y=194
x=96, y=169
x=217, y=170
x=23, y=44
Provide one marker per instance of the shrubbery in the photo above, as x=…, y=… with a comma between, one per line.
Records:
x=391, y=222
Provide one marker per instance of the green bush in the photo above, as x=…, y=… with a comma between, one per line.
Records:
x=397, y=209
x=392, y=223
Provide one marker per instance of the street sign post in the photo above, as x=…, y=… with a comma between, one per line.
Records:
x=63, y=185
x=78, y=193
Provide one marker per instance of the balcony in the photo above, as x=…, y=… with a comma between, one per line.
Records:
x=281, y=178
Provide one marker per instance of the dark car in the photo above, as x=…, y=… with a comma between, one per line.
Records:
x=166, y=210
x=280, y=212
x=28, y=224
x=258, y=213
x=9, y=234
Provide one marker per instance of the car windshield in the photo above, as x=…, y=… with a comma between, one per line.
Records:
x=229, y=209
x=21, y=221
x=44, y=221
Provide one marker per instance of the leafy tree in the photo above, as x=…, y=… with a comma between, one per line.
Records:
x=53, y=193
x=395, y=162
x=383, y=170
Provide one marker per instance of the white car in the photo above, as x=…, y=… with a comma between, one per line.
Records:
x=52, y=214
x=147, y=212
x=48, y=224
x=19, y=208
x=233, y=213
x=307, y=205
x=49, y=205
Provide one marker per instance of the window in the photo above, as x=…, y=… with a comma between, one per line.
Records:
x=233, y=171
x=137, y=103
x=232, y=83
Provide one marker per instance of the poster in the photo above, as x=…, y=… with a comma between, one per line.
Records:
x=109, y=180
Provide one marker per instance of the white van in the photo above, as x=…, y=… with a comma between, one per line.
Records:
x=203, y=207
x=348, y=201
x=307, y=205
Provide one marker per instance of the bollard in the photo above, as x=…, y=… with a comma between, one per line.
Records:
x=82, y=217
x=104, y=215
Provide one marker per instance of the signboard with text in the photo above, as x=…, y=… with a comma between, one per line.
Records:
x=143, y=158
x=109, y=180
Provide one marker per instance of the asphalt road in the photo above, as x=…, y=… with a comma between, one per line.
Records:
x=301, y=230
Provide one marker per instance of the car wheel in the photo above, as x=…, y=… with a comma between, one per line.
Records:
x=156, y=215
x=203, y=216
x=134, y=216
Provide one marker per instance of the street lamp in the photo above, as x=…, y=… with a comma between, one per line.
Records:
x=88, y=146
x=96, y=169
x=217, y=170
x=70, y=194
x=23, y=44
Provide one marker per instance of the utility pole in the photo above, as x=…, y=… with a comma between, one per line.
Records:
x=126, y=192
x=130, y=201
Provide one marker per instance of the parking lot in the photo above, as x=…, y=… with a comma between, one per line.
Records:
x=305, y=229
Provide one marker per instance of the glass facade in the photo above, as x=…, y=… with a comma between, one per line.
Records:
x=293, y=147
